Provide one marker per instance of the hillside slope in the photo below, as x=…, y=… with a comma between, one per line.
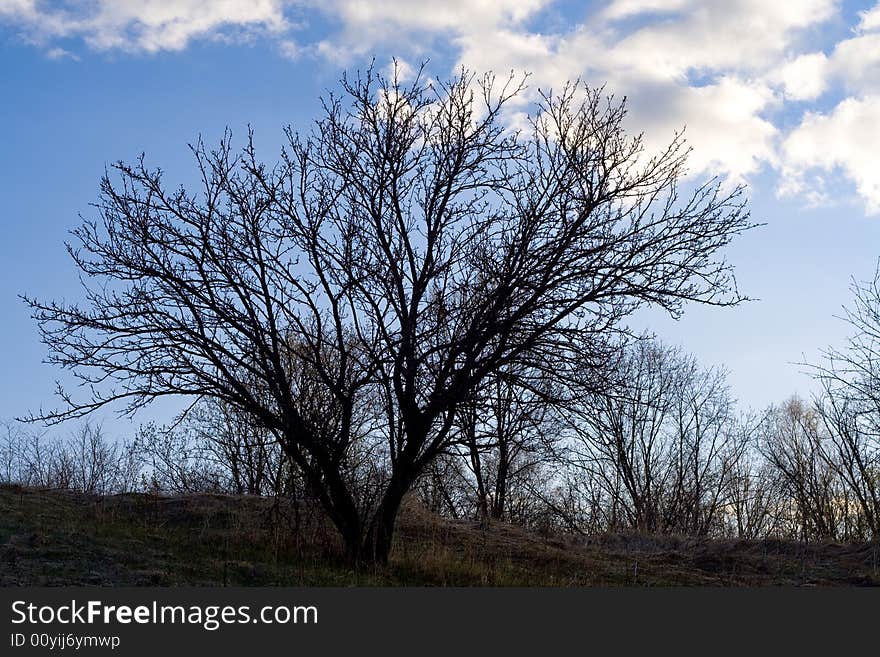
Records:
x=60, y=538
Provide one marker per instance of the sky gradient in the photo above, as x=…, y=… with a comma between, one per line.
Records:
x=781, y=96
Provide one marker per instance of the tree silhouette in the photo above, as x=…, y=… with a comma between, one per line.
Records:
x=351, y=297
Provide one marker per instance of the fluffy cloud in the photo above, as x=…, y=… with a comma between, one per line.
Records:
x=701, y=65
x=714, y=35
x=724, y=69
x=625, y=8
x=141, y=25
x=856, y=62
x=722, y=121
x=733, y=72
x=367, y=25
x=388, y=17
x=870, y=19
x=805, y=77
x=845, y=140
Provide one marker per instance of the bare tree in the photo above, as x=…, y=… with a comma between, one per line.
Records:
x=85, y=461
x=176, y=461
x=508, y=428
x=11, y=452
x=657, y=452
x=445, y=487
x=619, y=436
x=92, y=463
x=752, y=511
x=809, y=502
x=850, y=447
x=709, y=442
x=849, y=407
x=350, y=298
x=249, y=457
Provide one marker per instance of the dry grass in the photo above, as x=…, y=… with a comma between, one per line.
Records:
x=58, y=538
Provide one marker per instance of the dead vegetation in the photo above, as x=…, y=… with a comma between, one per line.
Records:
x=52, y=537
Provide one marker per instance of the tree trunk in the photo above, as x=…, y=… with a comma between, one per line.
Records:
x=376, y=545
x=500, y=501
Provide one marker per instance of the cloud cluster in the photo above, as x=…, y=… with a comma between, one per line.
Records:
x=845, y=139
x=709, y=65
x=746, y=77
x=140, y=25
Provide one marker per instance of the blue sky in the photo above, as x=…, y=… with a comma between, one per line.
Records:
x=784, y=96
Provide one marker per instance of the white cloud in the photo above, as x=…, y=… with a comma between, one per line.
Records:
x=371, y=24
x=846, y=140
x=723, y=124
x=856, y=62
x=290, y=49
x=717, y=35
x=725, y=69
x=400, y=69
x=625, y=8
x=386, y=16
x=805, y=77
x=705, y=65
x=60, y=53
x=870, y=19
x=827, y=148
x=141, y=25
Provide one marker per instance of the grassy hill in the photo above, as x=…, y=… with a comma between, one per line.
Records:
x=50, y=537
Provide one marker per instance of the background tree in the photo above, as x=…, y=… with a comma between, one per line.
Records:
x=849, y=409
x=849, y=446
x=657, y=452
x=756, y=495
x=507, y=430
x=809, y=501
x=410, y=247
